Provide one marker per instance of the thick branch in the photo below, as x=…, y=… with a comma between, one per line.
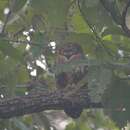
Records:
x=45, y=100
x=124, y=25
x=123, y=17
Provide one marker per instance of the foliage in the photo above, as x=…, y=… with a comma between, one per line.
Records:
x=97, y=25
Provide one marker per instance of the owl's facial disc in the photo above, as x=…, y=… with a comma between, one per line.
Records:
x=70, y=50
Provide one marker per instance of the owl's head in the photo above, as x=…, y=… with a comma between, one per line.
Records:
x=70, y=49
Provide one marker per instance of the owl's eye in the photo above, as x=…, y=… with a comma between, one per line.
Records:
x=61, y=59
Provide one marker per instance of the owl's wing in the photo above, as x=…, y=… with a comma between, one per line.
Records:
x=69, y=78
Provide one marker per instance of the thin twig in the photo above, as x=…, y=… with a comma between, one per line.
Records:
x=26, y=42
x=5, y=23
x=97, y=38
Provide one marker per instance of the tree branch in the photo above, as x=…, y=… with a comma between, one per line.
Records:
x=46, y=100
x=97, y=37
x=6, y=21
x=124, y=25
x=123, y=17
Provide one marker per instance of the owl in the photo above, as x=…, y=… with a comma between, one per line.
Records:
x=66, y=54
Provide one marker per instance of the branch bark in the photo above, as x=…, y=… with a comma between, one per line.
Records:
x=46, y=100
x=124, y=14
x=123, y=24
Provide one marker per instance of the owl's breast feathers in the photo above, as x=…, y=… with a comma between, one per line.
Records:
x=66, y=54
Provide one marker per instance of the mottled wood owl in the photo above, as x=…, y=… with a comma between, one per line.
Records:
x=66, y=54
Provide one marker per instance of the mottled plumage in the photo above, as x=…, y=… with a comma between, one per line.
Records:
x=66, y=54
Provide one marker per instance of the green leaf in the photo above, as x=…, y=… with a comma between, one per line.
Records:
x=3, y=5
x=19, y=124
x=38, y=23
x=42, y=121
x=22, y=75
x=40, y=42
x=116, y=101
x=96, y=16
x=99, y=78
x=55, y=12
x=78, y=23
x=16, y=5
x=71, y=126
x=111, y=6
x=8, y=50
x=118, y=42
x=86, y=40
x=114, y=31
